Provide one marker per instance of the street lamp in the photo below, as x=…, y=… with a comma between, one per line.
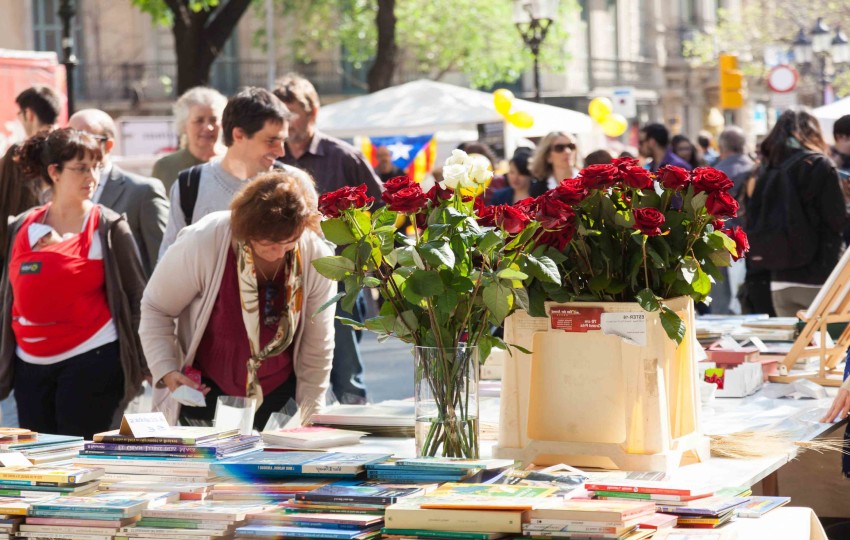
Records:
x=822, y=46
x=66, y=14
x=533, y=18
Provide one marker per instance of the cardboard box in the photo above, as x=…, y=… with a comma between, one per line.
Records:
x=737, y=381
x=721, y=355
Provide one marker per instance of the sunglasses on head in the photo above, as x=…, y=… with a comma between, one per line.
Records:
x=561, y=147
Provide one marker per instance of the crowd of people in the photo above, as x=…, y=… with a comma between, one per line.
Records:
x=201, y=274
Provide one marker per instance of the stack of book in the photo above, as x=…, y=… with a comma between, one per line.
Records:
x=94, y=517
x=343, y=510
x=264, y=490
x=192, y=520
x=40, y=448
x=180, y=459
x=592, y=518
x=20, y=485
x=694, y=507
x=296, y=464
x=311, y=437
x=420, y=470
x=9, y=526
x=388, y=418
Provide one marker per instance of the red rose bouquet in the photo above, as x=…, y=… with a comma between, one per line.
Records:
x=645, y=237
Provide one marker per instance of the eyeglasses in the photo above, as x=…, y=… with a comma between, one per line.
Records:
x=558, y=148
x=82, y=169
x=99, y=138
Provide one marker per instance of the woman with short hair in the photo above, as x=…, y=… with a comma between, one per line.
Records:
x=70, y=305
x=555, y=159
x=240, y=292
x=197, y=121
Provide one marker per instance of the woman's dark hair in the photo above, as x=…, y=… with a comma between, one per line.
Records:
x=476, y=147
x=275, y=206
x=250, y=109
x=521, y=161
x=56, y=147
x=694, y=159
x=799, y=125
x=598, y=157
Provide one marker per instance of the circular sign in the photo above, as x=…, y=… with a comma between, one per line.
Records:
x=782, y=79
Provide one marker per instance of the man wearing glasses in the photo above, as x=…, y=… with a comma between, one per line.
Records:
x=141, y=199
x=654, y=143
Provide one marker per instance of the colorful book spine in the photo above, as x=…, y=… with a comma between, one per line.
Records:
x=150, y=448
x=659, y=490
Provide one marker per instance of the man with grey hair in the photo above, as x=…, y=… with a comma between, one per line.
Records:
x=142, y=200
x=738, y=167
x=197, y=120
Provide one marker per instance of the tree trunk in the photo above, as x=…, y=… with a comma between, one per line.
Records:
x=381, y=74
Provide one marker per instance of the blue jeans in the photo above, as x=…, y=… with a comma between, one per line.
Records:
x=347, y=371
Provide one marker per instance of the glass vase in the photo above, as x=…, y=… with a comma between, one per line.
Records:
x=446, y=394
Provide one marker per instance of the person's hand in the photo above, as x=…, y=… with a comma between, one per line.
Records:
x=174, y=379
x=840, y=407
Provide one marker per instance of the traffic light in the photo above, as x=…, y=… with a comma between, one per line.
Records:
x=731, y=83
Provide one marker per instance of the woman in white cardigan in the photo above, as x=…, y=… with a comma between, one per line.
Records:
x=230, y=308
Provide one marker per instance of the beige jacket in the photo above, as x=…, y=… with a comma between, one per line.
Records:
x=180, y=296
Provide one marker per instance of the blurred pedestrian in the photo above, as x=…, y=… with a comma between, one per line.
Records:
x=334, y=164
x=598, y=157
x=141, y=199
x=521, y=184
x=685, y=149
x=706, y=145
x=555, y=159
x=197, y=120
x=654, y=144
x=385, y=168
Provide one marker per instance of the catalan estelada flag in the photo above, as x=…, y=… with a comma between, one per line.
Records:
x=414, y=155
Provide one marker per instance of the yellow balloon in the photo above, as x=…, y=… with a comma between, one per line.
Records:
x=521, y=119
x=600, y=108
x=615, y=125
x=503, y=100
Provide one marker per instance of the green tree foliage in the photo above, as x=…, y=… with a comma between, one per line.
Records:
x=474, y=37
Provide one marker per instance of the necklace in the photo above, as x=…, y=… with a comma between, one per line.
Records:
x=265, y=277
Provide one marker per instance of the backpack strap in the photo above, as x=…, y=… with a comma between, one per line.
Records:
x=188, y=181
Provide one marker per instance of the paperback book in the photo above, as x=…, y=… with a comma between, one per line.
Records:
x=276, y=464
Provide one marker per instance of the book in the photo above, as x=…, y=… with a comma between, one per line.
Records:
x=47, y=529
x=407, y=514
x=695, y=534
x=358, y=520
x=206, y=510
x=30, y=491
x=658, y=488
x=42, y=440
x=456, y=463
x=212, y=449
x=312, y=437
x=7, y=488
x=61, y=475
x=706, y=522
x=451, y=535
x=159, y=532
x=341, y=493
x=185, y=435
x=73, y=522
x=710, y=506
x=760, y=505
x=19, y=506
x=657, y=521
x=274, y=464
x=460, y=490
x=648, y=496
x=280, y=531
x=111, y=504
x=63, y=536
x=593, y=510
x=170, y=523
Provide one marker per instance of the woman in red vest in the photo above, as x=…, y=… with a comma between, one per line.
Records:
x=71, y=293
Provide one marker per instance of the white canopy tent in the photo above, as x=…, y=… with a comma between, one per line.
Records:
x=828, y=114
x=424, y=106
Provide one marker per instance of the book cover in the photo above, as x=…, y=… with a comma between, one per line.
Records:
x=461, y=490
x=356, y=493
x=407, y=515
x=453, y=535
x=457, y=463
x=169, y=523
x=636, y=486
x=19, y=506
x=68, y=529
x=43, y=439
x=184, y=435
x=595, y=510
x=695, y=534
x=112, y=504
x=648, y=496
x=294, y=463
x=710, y=506
x=658, y=521
x=760, y=505
x=206, y=510
x=43, y=473
x=72, y=522
x=278, y=531
x=313, y=437
x=284, y=516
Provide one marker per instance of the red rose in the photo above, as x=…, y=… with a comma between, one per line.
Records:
x=717, y=224
x=710, y=180
x=721, y=205
x=486, y=218
x=436, y=194
x=553, y=214
x=636, y=177
x=622, y=163
x=398, y=183
x=595, y=177
x=527, y=206
x=557, y=239
x=331, y=204
x=648, y=221
x=741, y=241
x=407, y=200
x=672, y=177
x=512, y=220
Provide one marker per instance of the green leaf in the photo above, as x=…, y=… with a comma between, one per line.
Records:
x=337, y=231
x=544, y=269
x=728, y=243
x=688, y=269
x=436, y=231
x=329, y=303
x=624, y=219
x=499, y=300
x=425, y=283
x=511, y=274
x=698, y=202
x=382, y=325
x=647, y=300
x=702, y=283
x=673, y=325
x=357, y=325
x=537, y=301
x=335, y=267
x=490, y=242
x=438, y=253
x=521, y=299
x=599, y=282
x=371, y=281
x=363, y=221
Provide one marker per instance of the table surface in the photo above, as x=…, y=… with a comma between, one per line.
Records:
x=798, y=417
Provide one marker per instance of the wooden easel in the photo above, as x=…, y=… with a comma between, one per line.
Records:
x=831, y=305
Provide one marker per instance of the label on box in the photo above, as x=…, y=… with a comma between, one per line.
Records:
x=575, y=319
x=629, y=326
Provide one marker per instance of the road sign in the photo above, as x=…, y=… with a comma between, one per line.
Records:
x=624, y=101
x=783, y=79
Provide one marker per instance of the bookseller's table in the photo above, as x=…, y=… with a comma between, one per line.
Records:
x=788, y=523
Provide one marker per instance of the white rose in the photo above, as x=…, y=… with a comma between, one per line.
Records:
x=454, y=175
x=427, y=183
x=480, y=171
x=459, y=157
